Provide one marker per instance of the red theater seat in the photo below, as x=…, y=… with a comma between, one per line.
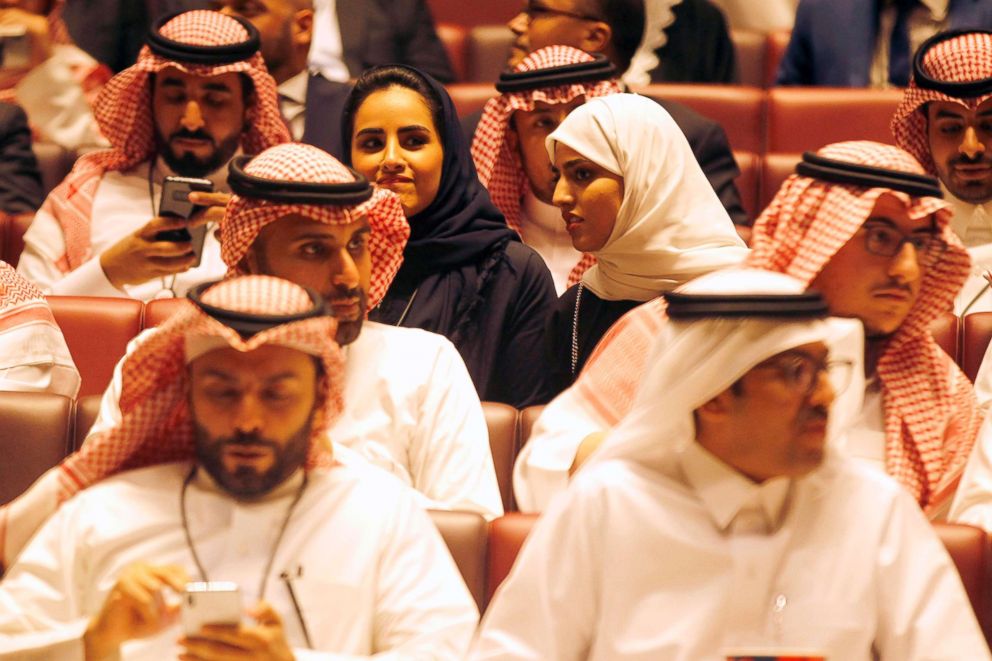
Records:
x=775, y=169
x=35, y=436
x=807, y=118
x=740, y=110
x=528, y=417
x=747, y=181
x=974, y=341
x=774, y=50
x=160, y=310
x=488, y=46
x=501, y=420
x=466, y=535
x=97, y=331
x=968, y=546
x=470, y=97
x=750, y=49
x=506, y=536
x=455, y=40
x=946, y=331
x=12, y=242
x=474, y=12
x=87, y=410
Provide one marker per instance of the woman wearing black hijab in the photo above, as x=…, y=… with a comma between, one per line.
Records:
x=465, y=274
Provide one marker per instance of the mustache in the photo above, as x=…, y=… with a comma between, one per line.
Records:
x=198, y=134
x=248, y=439
x=964, y=159
x=818, y=413
x=893, y=284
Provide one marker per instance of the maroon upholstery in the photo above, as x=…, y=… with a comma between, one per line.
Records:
x=747, y=181
x=12, y=243
x=466, y=535
x=527, y=419
x=470, y=97
x=54, y=163
x=968, y=546
x=97, y=331
x=474, y=12
x=945, y=331
x=501, y=419
x=159, y=310
x=750, y=49
x=740, y=110
x=35, y=436
x=974, y=340
x=488, y=47
x=455, y=40
x=774, y=50
x=506, y=536
x=87, y=410
x=807, y=118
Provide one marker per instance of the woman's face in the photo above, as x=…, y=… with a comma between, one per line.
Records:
x=395, y=144
x=589, y=197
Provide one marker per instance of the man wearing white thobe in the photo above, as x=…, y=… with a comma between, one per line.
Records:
x=715, y=518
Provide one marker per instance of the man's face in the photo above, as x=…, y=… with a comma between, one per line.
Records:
x=198, y=119
x=961, y=147
x=331, y=259
x=878, y=290
x=554, y=22
x=526, y=135
x=252, y=413
x=589, y=197
x=778, y=428
x=281, y=24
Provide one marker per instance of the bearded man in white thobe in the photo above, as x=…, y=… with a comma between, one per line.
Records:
x=410, y=407
x=717, y=519
x=223, y=474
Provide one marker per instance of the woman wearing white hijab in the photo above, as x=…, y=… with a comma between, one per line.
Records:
x=632, y=194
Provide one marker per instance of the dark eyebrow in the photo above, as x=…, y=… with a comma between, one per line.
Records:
x=218, y=87
x=369, y=132
x=947, y=114
x=172, y=82
x=576, y=161
x=414, y=127
x=878, y=220
x=218, y=374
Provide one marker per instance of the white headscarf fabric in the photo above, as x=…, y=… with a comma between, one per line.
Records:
x=694, y=361
x=671, y=226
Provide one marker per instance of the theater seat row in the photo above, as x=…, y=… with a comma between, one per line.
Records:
x=40, y=429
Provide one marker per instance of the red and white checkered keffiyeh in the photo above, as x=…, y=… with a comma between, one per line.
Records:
x=156, y=425
x=124, y=114
x=21, y=302
x=245, y=217
x=499, y=167
x=931, y=415
x=961, y=59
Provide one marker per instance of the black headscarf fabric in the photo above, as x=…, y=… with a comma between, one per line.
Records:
x=461, y=225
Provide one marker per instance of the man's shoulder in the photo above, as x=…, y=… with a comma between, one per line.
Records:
x=131, y=487
x=354, y=480
x=401, y=339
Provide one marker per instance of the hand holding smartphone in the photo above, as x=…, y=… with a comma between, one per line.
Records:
x=175, y=203
x=214, y=602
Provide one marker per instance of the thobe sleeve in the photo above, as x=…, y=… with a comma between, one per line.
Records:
x=924, y=612
x=546, y=608
x=450, y=458
x=973, y=501
x=40, y=597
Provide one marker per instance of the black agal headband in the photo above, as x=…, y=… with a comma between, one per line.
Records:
x=248, y=324
x=178, y=51
x=347, y=193
x=600, y=68
x=807, y=305
x=855, y=174
x=958, y=90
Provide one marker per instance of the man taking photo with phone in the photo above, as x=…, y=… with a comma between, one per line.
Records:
x=198, y=94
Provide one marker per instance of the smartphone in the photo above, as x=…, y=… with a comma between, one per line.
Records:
x=14, y=47
x=214, y=602
x=175, y=203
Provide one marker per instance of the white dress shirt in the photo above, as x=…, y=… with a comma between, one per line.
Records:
x=633, y=563
x=973, y=225
x=293, y=102
x=371, y=573
x=122, y=205
x=410, y=409
x=326, y=50
x=926, y=20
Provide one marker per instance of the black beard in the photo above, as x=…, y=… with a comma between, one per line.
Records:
x=246, y=483
x=348, y=331
x=186, y=164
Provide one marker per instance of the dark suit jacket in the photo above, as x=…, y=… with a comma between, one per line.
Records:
x=817, y=55
x=389, y=32
x=20, y=180
x=699, y=49
x=709, y=145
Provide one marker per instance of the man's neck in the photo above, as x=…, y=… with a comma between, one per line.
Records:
x=874, y=347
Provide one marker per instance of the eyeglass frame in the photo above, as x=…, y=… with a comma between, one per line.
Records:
x=530, y=10
x=828, y=367
x=932, y=238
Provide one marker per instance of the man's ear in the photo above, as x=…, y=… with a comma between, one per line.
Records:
x=720, y=405
x=251, y=262
x=597, y=38
x=303, y=27
x=511, y=137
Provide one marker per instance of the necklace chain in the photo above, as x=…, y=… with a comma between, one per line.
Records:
x=575, y=329
x=275, y=545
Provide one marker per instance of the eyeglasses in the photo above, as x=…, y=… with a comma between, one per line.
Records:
x=801, y=372
x=886, y=241
x=534, y=12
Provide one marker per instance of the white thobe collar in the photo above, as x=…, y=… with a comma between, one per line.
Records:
x=725, y=492
x=293, y=102
x=971, y=222
x=204, y=481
